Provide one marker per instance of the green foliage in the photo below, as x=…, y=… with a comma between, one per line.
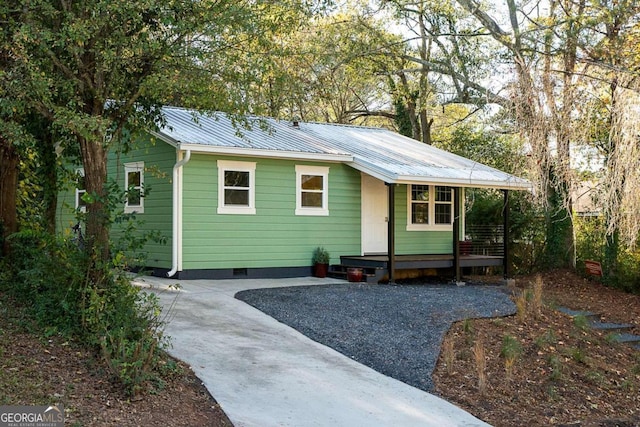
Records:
x=591, y=244
x=49, y=276
x=546, y=339
x=581, y=322
x=402, y=120
x=511, y=348
x=320, y=256
x=558, y=249
x=556, y=367
x=577, y=354
x=499, y=151
x=485, y=207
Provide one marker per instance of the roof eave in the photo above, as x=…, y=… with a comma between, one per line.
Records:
x=276, y=154
x=516, y=184
x=388, y=177
x=253, y=152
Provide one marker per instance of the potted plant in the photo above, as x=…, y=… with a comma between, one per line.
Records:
x=320, y=261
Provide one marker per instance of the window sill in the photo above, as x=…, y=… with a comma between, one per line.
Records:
x=312, y=212
x=134, y=209
x=238, y=210
x=429, y=227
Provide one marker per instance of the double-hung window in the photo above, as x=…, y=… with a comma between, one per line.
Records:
x=430, y=207
x=236, y=187
x=81, y=190
x=134, y=185
x=312, y=190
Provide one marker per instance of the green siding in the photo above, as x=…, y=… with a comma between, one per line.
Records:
x=417, y=242
x=158, y=158
x=274, y=236
x=65, y=217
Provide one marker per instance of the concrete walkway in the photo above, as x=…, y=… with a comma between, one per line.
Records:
x=264, y=373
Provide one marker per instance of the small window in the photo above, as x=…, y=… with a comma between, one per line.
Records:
x=81, y=190
x=236, y=187
x=443, y=205
x=420, y=204
x=312, y=190
x=134, y=185
x=430, y=207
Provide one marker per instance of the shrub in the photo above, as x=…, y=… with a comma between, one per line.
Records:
x=510, y=351
x=49, y=276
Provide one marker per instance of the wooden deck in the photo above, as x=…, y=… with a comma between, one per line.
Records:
x=420, y=261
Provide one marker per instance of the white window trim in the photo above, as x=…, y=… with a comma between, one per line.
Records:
x=312, y=170
x=431, y=226
x=134, y=167
x=79, y=193
x=228, y=165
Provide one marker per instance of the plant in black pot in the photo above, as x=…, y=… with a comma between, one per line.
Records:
x=320, y=261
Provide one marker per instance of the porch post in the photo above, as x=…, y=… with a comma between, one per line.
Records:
x=506, y=258
x=456, y=233
x=391, y=227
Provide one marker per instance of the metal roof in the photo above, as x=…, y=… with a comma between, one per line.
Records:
x=379, y=152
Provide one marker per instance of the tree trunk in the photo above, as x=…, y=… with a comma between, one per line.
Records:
x=94, y=161
x=9, y=162
x=425, y=125
x=559, y=248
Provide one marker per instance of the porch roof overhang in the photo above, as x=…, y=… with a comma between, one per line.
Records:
x=450, y=177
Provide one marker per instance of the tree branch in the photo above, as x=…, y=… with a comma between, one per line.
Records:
x=489, y=96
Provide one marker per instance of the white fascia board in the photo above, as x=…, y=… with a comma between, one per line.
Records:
x=377, y=173
x=252, y=152
x=519, y=184
x=389, y=177
x=165, y=138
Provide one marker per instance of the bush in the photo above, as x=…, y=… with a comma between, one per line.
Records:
x=591, y=245
x=49, y=276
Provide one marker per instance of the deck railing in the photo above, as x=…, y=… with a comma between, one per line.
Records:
x=486, y=239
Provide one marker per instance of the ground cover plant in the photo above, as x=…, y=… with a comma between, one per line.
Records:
x=38, y=370
x=543, y=367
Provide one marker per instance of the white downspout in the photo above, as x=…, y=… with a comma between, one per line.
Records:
x=177, y=212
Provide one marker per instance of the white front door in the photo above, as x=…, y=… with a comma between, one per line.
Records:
x=374, y=215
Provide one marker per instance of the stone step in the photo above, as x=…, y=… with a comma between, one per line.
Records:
x=617, y=329
x=627, y=338
x=575, y=313
x=610, y=326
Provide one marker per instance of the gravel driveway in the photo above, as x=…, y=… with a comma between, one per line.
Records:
x=396, y=330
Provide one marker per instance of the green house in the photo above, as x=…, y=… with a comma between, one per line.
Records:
x=255, y=202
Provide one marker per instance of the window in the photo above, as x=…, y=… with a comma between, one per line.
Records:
x=236, y=187
x=420, y=204
x=430, y=207
x=312, y=190
x=443, y=205
x=81, y=190
x=134, y=185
